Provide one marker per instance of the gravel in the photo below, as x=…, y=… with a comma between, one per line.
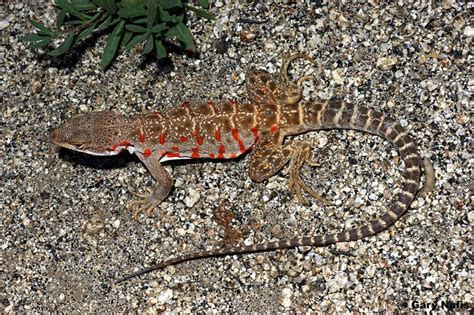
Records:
x=66, y=230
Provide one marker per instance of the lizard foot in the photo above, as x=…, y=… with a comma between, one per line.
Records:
x=287, y=59
x=301, y=156
x=148, y=202
x=292, y=93
x=145, y=203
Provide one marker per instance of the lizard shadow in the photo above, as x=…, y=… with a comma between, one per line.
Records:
x=123, y=159
x=97, y=162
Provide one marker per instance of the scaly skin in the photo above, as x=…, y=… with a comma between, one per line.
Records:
x=227, y=129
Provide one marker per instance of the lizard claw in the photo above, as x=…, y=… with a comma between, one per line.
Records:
x=145, y=202
x=296, y=184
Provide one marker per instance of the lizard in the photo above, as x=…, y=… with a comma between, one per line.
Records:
x=227, y=129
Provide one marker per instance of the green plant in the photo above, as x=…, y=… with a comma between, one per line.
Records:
x=129, y=22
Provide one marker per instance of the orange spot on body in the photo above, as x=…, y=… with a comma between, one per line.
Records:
x=217, y=135
x=175, y=148
x=147, y=152
x=274, y=128
x=195, y=154
x=194, y=133
x=235, y=135
x=173, y=154
x=183, y=139
x=211, y=105
x=185, y=105
x=141, y=137
x=162, y=139
x=121, y=144
x=199, y=140
x=233, y=155
x=254, y=130
x=211, y=155
x=221, y=152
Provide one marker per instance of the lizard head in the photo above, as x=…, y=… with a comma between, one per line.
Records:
x=96, y=133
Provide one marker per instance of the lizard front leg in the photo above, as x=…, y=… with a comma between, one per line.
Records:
x=270, y=155
x=266, y=88
x=161, y=189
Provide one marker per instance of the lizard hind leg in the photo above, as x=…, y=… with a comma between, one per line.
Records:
x=269, y=156
x=301, y=155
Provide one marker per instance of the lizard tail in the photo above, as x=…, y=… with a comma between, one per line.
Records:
x=336, y=115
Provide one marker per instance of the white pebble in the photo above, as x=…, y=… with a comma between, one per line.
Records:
x=373, y=197
x=469, y=31
x=286, y=294
x=4, y=24
x=386, y=63
x=192, y=198
x=165, y=296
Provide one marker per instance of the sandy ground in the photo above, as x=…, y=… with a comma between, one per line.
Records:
x=67, y=233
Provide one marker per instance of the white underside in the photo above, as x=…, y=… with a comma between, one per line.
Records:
x=165, y=158
x=130, y=149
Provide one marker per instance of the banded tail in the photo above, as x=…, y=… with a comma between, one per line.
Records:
x=335, y=115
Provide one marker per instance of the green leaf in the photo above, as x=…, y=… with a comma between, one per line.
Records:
x=126, y=37
x=111, y=46
x=160, y=50
x=119, y=28
x=133, y=11
x=111, y=6
x=32, y=38
x=200, y=12
x=203, y=3
x=43, y=29
x=108, y=5
x=135, y=28
x=83, y=5
x=86, y=32
x=69, y=8
x=40, y=44
x=169, y=4
x=158, y=28
x=149, y=45
x=60, y=18
x=136, y=39
x=105, y=24
x=141, y=21
x=164, y=15
x=64, y=47
x=182, y=33
x=151, y=12
x=176, y=19
x=116, y=20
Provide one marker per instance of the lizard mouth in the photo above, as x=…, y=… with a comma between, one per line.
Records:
x=53, y=136
x=57, y=143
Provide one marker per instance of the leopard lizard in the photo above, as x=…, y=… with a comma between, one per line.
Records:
x=228, y=129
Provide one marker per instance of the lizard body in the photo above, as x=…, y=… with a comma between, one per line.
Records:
x=227, y=129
